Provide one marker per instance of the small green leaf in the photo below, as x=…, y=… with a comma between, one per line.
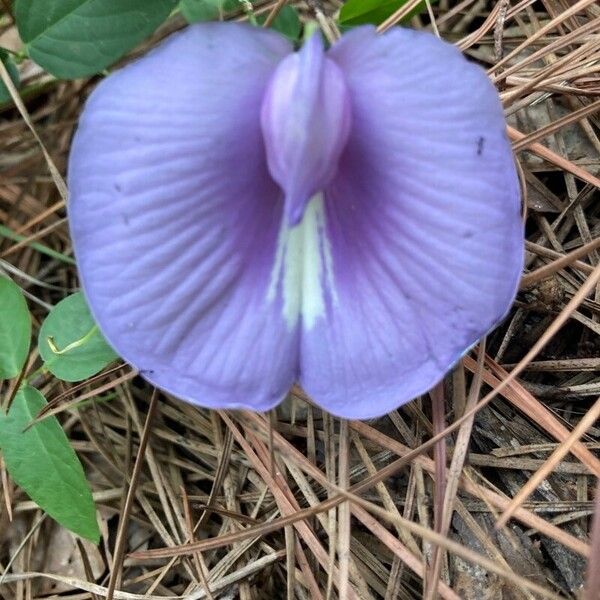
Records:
x=70, y=342
x=15, y=329
x=42, y=462
x=196, y=11
x=360, y=12
x=6, y=58
x=76, y=38
x=286, y=22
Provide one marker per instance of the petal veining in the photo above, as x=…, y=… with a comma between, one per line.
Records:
x=175, y=218
x=424, y=224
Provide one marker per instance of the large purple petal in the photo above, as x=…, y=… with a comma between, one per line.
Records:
x=423, y=222
x=175, y=218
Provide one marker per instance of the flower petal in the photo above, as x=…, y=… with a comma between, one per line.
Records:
x=423, y=222
x=306, y=121
x=175, y=218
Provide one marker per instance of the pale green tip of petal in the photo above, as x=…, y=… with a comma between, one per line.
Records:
x=310, y=28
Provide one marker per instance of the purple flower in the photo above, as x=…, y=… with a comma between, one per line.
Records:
x=245, y=217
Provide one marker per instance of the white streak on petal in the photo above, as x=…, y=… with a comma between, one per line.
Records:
x=303, y=267
x=328, y=258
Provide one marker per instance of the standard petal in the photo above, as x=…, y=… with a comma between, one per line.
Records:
x=175, y=218
x=423, y=222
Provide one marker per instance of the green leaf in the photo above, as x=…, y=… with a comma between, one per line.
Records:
x=76, y=38
x=6, y=58
x=286, y=22
x=70, y=342
x=196, y=11
x=43, y=464
x=15, y=329
x=359, y=12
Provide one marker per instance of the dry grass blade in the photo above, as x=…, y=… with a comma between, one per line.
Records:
x=592, y=583
x=526, y=402
x=448, y=544
x=490, y=497
x=224, y=583
x=555, y=159
x=220, y=473
x=531, y=279
x=57, y=406
x=456, y=466
x=119, y=551
x=344, y=511
x=274, y=12
x=407, y=456
x=439, y=458
x=590, y=417
x=330, y=471
x=21, y=547
x=552, y=24
x=399, y=550
x=87, y=566
x=287, y=506
x=12, y=90
x=291, y=506
x=233, y=538
x=198, y=558
x=543, y=132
